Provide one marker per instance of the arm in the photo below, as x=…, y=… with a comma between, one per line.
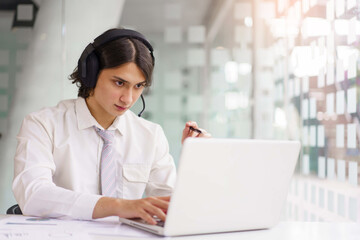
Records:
x=37, y=194
x=34, y=167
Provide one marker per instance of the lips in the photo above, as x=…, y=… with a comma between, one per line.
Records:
x=120, y=108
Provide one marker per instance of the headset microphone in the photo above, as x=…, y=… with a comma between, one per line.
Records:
x=143, y=102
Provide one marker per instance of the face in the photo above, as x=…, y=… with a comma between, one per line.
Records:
x=117, y=89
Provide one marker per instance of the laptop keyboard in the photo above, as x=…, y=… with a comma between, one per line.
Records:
x=159, y=222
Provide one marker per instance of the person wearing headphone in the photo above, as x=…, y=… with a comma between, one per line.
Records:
x=91, y=157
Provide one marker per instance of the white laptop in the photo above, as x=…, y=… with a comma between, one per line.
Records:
x=227, y=185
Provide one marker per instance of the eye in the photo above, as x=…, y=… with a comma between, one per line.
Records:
x=140, y=85
x=119, y=83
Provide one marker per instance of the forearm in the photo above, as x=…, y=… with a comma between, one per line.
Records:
x=106, y=207
x=48, y=200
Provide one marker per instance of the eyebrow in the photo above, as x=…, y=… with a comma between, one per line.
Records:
x=123, y=80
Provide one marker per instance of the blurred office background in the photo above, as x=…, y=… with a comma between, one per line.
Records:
x=264, y=69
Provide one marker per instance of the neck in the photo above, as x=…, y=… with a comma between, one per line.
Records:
x=101, y=116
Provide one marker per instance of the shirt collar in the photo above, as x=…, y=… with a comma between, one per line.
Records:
x=86, y=120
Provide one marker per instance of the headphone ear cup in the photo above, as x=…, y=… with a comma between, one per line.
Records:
x=92, y=70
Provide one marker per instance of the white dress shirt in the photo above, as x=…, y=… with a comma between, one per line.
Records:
x=57, y=161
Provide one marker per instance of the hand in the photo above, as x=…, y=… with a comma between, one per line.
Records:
x=187, y=132
x=144, y=208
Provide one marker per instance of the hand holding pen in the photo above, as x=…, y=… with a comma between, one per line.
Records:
x=192, y=130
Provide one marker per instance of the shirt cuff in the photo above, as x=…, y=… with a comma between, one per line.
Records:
x=85, y=205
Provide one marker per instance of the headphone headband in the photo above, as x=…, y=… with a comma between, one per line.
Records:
x=121, y=33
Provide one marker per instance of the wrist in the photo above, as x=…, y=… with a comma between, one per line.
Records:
x=105, y=207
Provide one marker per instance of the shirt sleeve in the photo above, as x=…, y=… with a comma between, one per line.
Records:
x=163, y=172
x=34, y=166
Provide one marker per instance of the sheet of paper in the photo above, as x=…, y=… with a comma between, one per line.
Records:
x=341, y=170
x=340, y=102
x=330, y=103
x=45, y=228
x=321, y=167
x=321, y=136
x=340, y=135
x=351, y=100
x=331, y=168
x=351, y=135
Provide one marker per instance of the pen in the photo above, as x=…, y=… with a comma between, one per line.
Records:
x=194, y=129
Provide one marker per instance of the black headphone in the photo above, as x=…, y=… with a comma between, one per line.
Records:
x=88, y=64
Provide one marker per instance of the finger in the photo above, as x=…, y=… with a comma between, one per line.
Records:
x=147, y=217
x=155, y=211
x=165, y=198
x=191, y=124
x=204, y=133
x=159, y=203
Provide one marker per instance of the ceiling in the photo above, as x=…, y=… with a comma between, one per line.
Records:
x=149, y=16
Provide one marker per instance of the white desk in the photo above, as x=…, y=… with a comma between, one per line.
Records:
x=20, y=227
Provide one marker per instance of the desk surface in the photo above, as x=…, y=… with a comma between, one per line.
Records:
x=20, y=227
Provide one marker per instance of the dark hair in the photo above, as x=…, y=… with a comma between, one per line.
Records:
x=114, y=54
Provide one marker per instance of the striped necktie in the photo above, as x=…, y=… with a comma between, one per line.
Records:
x=108, y=167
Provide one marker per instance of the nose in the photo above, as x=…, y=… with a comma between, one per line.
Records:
x=126, y=96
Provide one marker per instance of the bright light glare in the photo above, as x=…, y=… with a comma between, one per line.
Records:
x=248, y=21
x=341, y=27
x=306, y=60
x=313, y=27
x=244, y=68
x=235, y=100
x=280, y=118
x=231, y=72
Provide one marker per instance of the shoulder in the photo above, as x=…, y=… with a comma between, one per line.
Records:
x=55, y=113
